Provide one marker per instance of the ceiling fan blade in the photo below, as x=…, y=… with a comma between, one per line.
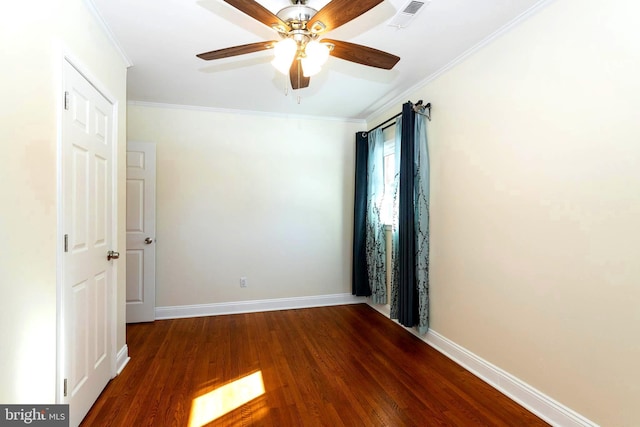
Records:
x=237, y=50
x=298, y=80
x=362, y=54
x=338, y=12
x=258, y=12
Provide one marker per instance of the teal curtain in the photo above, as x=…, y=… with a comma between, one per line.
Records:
x=407, y=292
x=395, y=272
x=411, y=276
x=360, y=275
x=375, y=242
x=421, y=218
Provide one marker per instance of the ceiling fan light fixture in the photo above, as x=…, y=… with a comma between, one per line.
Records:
x=279, y=28
x=316, y=54
x=299, y=27
x=309, y=69
x=318, y=27
x=284, y=51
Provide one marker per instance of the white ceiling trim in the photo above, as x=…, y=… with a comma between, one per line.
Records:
x=487, y=40
x=105, y=27
x=243, y=112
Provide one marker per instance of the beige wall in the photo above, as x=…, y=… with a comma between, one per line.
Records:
x=266, y=197
x=535, y=207
x=32, y=35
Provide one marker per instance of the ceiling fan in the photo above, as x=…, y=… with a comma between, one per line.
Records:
x=300, y=52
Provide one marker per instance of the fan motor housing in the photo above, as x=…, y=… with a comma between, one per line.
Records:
x=296, y=15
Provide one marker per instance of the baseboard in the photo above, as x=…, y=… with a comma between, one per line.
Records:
x=122, y=358
x=199, y=310
x=534, y=400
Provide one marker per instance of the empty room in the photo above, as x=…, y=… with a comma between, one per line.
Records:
x=276, y=212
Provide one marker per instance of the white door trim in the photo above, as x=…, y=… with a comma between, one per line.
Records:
x=67, y=57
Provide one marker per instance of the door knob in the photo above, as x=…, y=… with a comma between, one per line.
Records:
x=112, y=255
x=148, y=240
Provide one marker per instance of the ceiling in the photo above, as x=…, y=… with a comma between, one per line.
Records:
x=162, y=37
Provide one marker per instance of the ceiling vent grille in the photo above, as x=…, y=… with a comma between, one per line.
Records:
x=413, y=7
x=407, y=14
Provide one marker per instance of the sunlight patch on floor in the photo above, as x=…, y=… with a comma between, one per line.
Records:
x=224, y=399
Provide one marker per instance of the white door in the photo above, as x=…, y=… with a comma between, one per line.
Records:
x=88, y=195
x=141, y=231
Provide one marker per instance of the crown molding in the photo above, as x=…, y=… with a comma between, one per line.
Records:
x=107, y=31
x=399, y=99
x=244, y=112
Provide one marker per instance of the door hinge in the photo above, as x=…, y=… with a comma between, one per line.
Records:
x=64, y=390
x=66, y=100
x=66, y=243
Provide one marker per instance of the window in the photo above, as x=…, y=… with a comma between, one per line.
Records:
x=389, y=166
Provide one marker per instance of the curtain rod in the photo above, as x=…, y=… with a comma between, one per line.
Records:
x=417, y=110
x=386, y=121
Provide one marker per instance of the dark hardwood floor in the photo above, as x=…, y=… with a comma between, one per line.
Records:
x=329, y=366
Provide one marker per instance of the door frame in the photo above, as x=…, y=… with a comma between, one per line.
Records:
x=66, y=57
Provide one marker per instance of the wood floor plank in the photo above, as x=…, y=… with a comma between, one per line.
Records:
x=328, y=366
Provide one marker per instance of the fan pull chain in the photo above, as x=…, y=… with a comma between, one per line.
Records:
x=298, y=99
x=285, y=88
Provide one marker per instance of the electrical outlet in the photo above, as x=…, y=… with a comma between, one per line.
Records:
x=243, y=282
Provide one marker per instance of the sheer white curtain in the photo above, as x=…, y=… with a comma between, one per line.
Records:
x=375, y=241
x=393, y=300
x=409, y=293
x=421, y=218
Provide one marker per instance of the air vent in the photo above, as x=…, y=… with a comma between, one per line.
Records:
x=413, y=7
x=407, y=13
